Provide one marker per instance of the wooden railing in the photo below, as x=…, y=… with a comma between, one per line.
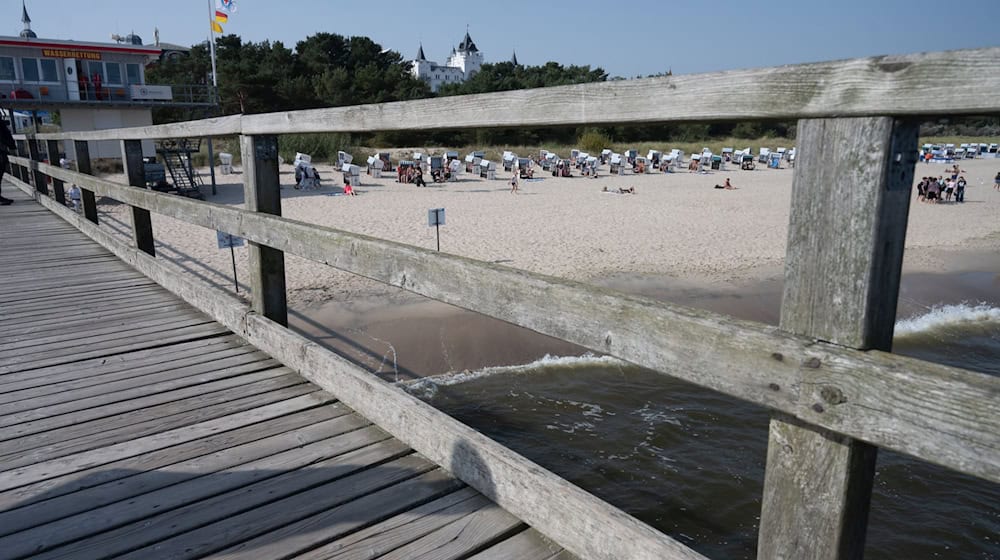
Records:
x=836, y=393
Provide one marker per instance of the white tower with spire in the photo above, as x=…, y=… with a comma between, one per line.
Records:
x=26, y=33
x=467, y=57
x=464, y=63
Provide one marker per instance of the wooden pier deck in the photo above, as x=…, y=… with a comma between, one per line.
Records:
x=132, y=425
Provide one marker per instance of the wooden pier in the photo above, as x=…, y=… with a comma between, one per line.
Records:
x=836, y=392
x=133, y=425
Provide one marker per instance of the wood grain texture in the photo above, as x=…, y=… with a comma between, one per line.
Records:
x=956, y=424
x=570, y=516
x=850, y=202
x=262, y=193
x=82, y=148
x=881, y=85
x=52, y=149
x=142, y=224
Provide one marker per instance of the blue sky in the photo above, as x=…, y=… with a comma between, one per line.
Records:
x=624, y=38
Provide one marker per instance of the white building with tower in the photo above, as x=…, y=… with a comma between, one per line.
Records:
x=463, y=63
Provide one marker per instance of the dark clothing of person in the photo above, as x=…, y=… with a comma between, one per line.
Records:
x=7, y=144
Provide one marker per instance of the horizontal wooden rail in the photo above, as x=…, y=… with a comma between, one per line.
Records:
x=577, y=520
x=937, y=413
x=922, y=84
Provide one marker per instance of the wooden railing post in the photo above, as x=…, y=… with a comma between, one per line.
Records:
x=38, y=178
x=850, y=202
x=52, y=147
x=262, y=194
x=142, y=224
x=82, y=151
x=18, y=169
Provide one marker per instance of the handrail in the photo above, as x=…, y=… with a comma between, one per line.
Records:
x=958, y=425
x=834, y=402
x=916, y=84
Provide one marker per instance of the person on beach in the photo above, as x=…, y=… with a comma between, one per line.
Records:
x=960, y=189
x=996, y=182
x=7, y=145
x=933, y=191
x=348, y=189
x=922, y=189
x=949, y=188
x=728, y=186
x=418, y=177
x=513, y=183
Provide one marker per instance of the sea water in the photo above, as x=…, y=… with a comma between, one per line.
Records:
x=690, y=462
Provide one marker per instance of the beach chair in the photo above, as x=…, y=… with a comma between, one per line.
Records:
x=764, y=155
x=487, y=170
x=524, y=166
x=549, y=161
x=508, y=161
x=455, y=167
x=747, y=163
x=605, y=155
x=386, y=162
x=616, y=165
x=718, y=164
x=352, y=174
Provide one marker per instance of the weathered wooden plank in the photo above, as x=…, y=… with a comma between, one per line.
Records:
x=212, y=523
x=182, y=490
x=142, y=224
x=83, y=166
x=93, y=434
x=52, y=401
x=38, y=179
x=47, y=324
x=400, y=529
x=137, y=342
x=957, y=424
x=215, y=126
x=215, y=467
x=526, y=545
x=892, y=85
x=550, y=504
x=850, y=202
x=104, y=369
x=57, y=414
x=52, y=149
x=462, y=537
x=339, y=508
x=262, y=194
x=80, y=461
x=152, y=461
x=99, y=329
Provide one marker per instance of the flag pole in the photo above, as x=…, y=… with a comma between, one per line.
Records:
x=215, y=90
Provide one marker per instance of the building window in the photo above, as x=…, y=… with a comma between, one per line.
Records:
x=114, y=72
x=96, y=68
x=132, y=73
x=7, y=69
x=29, y=69
x=50, y=72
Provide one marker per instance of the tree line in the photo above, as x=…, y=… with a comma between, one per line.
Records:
x=330, y=70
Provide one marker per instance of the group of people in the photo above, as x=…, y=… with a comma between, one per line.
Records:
x=935, y=189
x=410, y=174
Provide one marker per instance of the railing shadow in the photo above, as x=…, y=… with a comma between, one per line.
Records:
x=325, y=489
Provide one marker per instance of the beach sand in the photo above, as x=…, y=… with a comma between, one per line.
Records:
x=678, y=239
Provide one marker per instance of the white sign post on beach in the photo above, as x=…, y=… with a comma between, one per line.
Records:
x=435, y=217
x=229, y=240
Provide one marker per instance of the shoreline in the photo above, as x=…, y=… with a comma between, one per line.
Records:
x=423, y=337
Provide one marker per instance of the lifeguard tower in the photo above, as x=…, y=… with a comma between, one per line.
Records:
x=91, y=86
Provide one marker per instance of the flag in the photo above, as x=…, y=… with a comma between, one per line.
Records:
x=221, y=17
x=216, y=27
x=228, y=6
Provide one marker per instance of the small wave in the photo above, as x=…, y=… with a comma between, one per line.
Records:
x=428, y=385
x=947, y=316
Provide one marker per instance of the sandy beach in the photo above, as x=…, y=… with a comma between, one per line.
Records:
x=677, y=238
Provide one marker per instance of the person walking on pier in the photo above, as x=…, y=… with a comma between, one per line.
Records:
x=7, y=144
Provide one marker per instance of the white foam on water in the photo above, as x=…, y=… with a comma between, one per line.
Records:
x=427, y=386
x=948, y=315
